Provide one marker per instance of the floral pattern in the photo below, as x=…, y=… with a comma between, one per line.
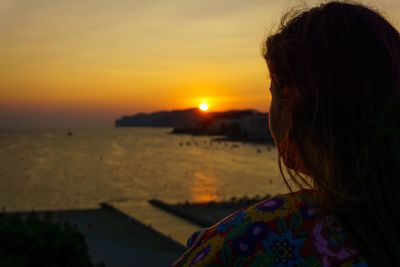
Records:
x=285, y=247
x=271, y=205
x=257, y=231
x=286, y=230
x=330, y=245
x=232, y=220
x=204, y=253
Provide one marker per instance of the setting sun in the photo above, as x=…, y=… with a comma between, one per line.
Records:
x=203, y=106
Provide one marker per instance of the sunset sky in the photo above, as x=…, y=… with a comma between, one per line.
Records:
x=83, y=63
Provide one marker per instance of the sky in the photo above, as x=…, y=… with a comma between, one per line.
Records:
x=84, y=63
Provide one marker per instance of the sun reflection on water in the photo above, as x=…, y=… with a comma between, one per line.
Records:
x=204, y=189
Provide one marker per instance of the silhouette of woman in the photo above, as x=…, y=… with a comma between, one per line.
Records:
x=335, y=118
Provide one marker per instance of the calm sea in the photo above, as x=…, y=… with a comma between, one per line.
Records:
x=47, y=169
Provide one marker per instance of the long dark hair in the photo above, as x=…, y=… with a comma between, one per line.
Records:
x=340, y=64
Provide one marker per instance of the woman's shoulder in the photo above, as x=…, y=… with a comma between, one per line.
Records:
x=286, y=230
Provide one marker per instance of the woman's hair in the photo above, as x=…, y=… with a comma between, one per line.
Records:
x=340, y=65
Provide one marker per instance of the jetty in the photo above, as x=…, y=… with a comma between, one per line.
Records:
x=160, y=221
x=178, y=221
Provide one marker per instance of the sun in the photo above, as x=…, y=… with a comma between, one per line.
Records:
x=203, y=106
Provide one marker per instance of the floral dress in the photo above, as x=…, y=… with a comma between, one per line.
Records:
x=286, y=230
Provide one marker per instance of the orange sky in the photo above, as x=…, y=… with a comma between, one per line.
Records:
x=86, y=62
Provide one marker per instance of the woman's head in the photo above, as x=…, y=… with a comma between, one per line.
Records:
x=334, y=69
x=335, y=83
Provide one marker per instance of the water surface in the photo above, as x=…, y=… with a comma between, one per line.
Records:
x=47, y=169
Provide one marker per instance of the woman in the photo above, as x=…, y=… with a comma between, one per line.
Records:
x=335, y=118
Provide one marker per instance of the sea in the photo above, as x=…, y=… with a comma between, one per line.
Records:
x=62, y=169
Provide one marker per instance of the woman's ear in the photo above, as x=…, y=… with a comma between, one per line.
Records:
x=290, y=152
x=285, y=148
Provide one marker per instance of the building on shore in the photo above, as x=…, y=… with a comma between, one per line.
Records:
x=234, y=124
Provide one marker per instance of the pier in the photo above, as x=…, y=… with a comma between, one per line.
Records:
x=160, y=221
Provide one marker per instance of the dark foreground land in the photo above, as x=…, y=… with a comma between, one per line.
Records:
x=117, y=242
x=118, y=235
